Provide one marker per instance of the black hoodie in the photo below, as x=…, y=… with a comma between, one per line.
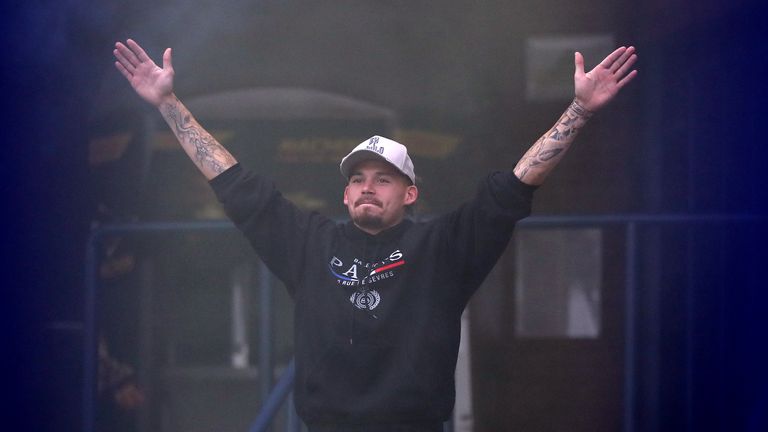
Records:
x=377, y=317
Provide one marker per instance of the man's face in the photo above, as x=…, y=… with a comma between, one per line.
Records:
x=376, y=196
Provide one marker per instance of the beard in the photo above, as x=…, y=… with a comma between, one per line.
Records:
x=368, y=221
x=365, y=217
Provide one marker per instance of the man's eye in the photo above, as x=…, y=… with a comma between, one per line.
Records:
x=383, y=180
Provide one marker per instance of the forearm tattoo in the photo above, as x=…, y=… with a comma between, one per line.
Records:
x=580, y=110
x=206, y=152
x=547, y=150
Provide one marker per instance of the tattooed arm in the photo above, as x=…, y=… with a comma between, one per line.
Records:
x=546, y=152
x=593, y=90
x=210, y=157
x=155, y=85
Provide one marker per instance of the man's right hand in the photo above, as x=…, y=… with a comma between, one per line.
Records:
x=152, y=83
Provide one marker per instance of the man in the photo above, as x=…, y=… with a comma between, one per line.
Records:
x=378, y=299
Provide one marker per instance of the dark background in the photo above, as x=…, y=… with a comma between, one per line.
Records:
x=686, y=137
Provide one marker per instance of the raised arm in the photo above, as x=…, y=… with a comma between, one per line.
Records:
x=155, y=85
x=593, y=90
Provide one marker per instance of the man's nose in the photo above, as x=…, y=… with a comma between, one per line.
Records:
x=368, y=187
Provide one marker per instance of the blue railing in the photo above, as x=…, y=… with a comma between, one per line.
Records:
x=282, y=389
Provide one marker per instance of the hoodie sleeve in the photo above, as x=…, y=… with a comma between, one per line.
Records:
x=275, y=227
x=478, y=232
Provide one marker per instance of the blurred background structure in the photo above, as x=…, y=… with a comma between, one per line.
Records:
x=290, y=86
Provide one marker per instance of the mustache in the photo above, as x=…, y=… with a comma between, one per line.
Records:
x=365, y=200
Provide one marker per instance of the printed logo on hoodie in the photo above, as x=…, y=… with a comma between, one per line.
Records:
x=362, y=274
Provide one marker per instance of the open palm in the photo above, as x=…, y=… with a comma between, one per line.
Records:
x=594, y=89
x=150, y=81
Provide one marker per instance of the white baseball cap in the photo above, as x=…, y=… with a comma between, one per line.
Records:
x=378, y=147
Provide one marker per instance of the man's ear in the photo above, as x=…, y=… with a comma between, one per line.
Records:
x=411, y=195
x=346, y=200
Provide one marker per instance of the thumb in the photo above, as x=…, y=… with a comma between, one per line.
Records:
x=578, y=61
x=167, y=59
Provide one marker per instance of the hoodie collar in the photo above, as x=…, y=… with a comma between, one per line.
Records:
x=392, y=233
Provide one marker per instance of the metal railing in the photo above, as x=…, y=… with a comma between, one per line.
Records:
x=282, y=389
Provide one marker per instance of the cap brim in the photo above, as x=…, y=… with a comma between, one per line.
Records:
x=355, y=158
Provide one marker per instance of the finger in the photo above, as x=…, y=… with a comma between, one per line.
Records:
x=167, y=64
x=620, y=61
x=127, y=54
x=139, y=51
x=626, y=66
x=123, y=71
x=124, y=61
x=578, y=61
x=612, y=57
x=624, y=81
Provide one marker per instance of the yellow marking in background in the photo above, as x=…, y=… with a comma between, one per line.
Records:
x=314, y=149
x=108, y=148
x=427, y=144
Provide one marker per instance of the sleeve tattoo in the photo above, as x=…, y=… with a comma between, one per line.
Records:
x=548, y=149
x=206, y=152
